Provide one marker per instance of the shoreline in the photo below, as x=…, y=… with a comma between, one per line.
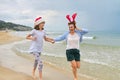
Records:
x=7, y=73
x=23, y=63
x=91, y=69
x=22, y=66
x=48, y=64
x=51, y=64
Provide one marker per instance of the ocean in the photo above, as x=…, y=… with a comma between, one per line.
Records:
x=100, y=53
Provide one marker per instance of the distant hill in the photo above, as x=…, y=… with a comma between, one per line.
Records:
x=12, y=26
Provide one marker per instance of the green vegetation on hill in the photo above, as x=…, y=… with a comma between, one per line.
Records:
x=12, y=26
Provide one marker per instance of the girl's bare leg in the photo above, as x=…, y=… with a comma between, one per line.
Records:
x=33, y=73
x=40, y=67
x=35, y=64
x=40, y=75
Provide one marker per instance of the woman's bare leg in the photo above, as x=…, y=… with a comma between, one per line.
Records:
x=78, y=64
x=74, y=69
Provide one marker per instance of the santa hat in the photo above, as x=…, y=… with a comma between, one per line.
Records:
x=71, y=19
x=38, y=21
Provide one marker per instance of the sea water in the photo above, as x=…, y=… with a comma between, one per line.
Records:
x=99, y=55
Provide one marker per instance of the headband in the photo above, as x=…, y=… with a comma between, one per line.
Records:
x=73, y=17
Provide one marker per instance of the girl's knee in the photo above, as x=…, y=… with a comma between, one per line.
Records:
x=35, y=63
x=40, y=66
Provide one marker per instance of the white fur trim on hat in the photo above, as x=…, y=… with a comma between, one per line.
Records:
x=38, y=21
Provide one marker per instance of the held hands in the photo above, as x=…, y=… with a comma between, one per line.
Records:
x=49, y=40
x=52, y=41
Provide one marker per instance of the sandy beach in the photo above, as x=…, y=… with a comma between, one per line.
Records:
x=8, y=74
x=16, y=67
x=6, y=37
x=5, y=72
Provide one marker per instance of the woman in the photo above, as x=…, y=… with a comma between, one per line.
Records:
x=73, y=38
x=37, y=35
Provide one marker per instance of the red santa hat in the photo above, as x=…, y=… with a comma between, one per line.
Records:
x=39, y=20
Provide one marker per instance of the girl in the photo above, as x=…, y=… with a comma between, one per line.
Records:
x=73, y=38
x=37, y=35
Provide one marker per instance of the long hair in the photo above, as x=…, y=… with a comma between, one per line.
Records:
x=37, y=27
x=73, y=22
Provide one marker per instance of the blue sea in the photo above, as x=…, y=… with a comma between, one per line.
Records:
x=100, y=54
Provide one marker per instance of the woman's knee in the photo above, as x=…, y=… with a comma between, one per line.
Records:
x=78, y=64
x=74, y=66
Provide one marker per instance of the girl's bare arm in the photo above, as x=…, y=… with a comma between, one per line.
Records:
x=48, y=39
x=30, y=37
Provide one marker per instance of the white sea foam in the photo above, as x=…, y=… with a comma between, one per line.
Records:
x=53, y=55
x=89, y=38
x=95, y=62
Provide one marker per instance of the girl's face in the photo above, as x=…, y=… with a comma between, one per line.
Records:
x=71, y=27
x=41, y=25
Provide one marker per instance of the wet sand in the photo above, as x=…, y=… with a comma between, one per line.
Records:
x=6, y=37
x=6, y=73
x=16, y=67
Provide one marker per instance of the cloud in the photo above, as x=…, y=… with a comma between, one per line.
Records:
x=92, y=14
x=18, y=11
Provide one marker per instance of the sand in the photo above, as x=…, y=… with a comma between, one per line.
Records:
x=14, y=67
x=6, y=37
x=7, y=74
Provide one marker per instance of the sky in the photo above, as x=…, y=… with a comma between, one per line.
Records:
x=96, y=15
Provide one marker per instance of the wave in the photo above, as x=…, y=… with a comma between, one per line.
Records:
x=53, y=55
x=89, y=38
x=95, y=62
x=20, y=50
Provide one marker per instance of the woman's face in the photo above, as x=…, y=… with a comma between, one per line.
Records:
x=71, y=27
x=41, y=25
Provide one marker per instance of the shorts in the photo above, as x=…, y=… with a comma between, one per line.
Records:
x=73, y=54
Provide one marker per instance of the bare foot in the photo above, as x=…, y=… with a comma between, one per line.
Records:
x=40, y=79
x=34, y=77
x=75, y=79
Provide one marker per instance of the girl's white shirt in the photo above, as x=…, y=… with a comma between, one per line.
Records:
x=37, y=45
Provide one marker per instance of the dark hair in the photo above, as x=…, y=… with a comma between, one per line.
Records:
x=37, y=27
x=74, y=23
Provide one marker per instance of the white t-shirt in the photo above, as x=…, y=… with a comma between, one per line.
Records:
x=37, y=45
x=73, y=41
